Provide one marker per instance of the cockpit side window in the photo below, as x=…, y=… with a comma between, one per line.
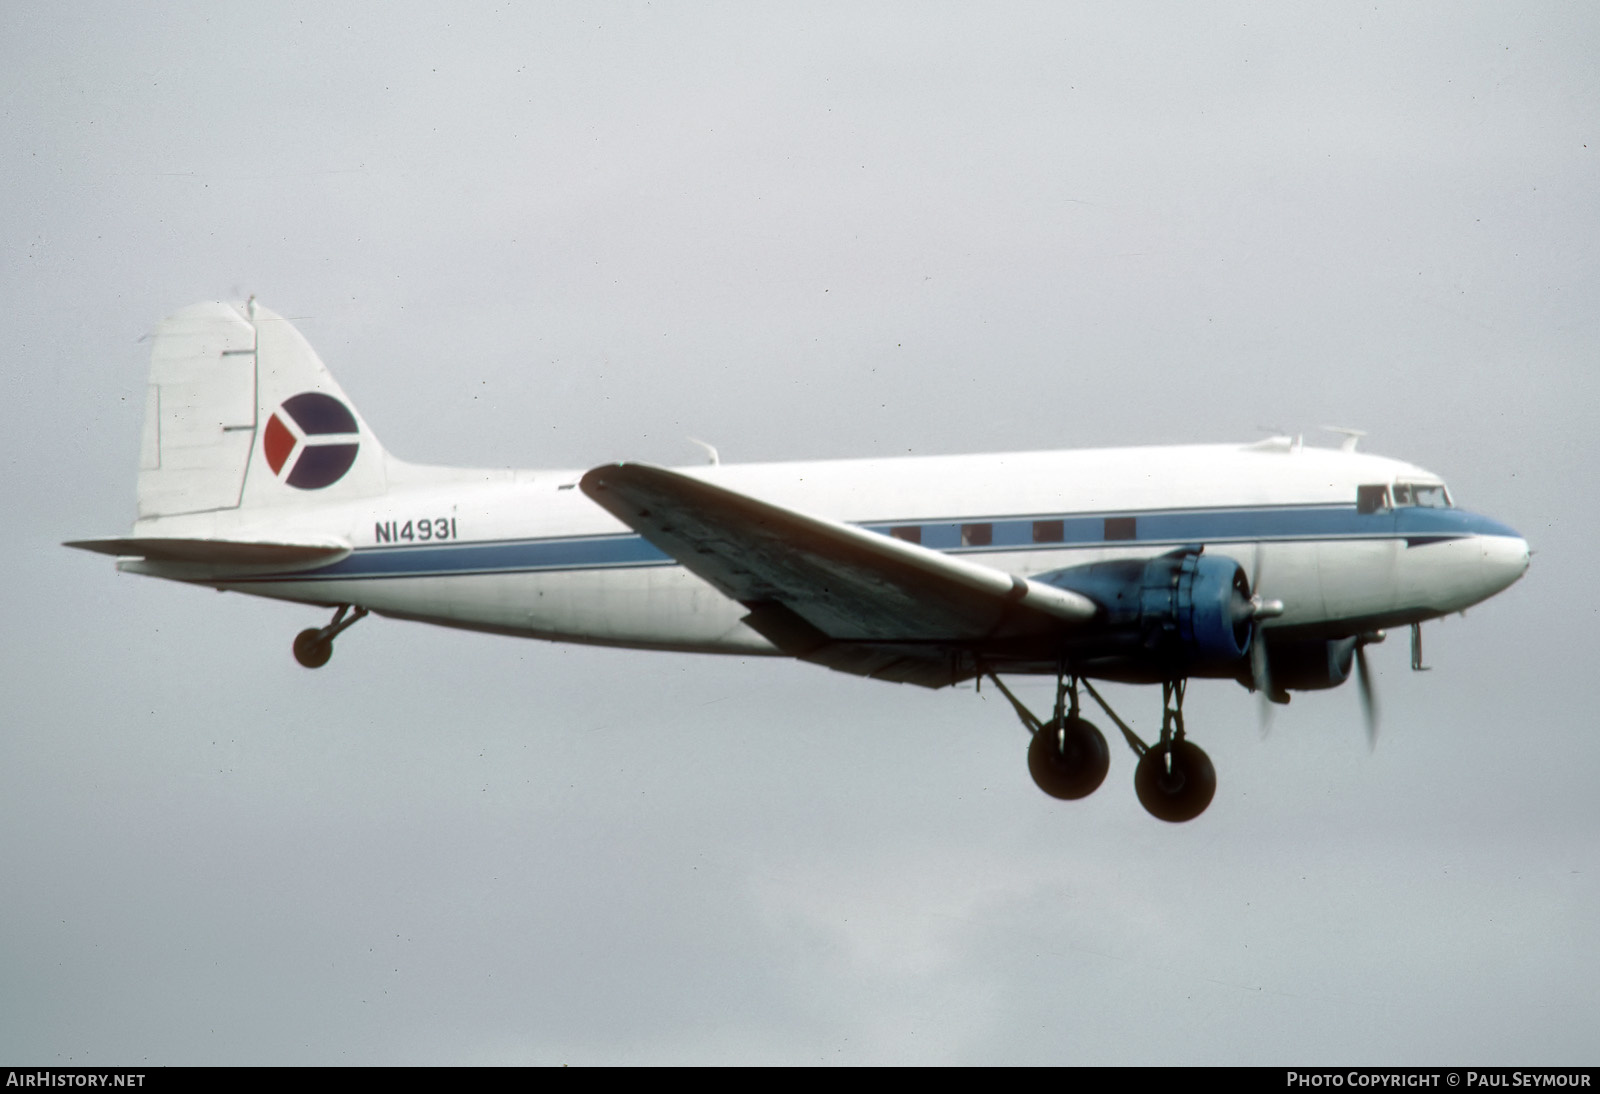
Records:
x=1370, y=499
x=1421, y=495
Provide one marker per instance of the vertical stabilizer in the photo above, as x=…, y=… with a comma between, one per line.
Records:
x=240, y=412
x=313, y=444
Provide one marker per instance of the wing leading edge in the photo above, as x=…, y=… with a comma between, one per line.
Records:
x=831, y=593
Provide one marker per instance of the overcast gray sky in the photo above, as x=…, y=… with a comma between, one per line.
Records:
x=535, y=235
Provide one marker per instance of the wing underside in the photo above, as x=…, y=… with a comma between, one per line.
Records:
x=832, y=593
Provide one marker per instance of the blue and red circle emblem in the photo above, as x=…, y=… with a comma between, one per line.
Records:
x=311, y=441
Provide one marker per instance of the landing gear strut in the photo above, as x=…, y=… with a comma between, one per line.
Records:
x=1067, y=757
x=1174, y=780
x=314, y=645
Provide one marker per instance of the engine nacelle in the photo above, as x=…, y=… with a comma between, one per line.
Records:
x=1310, y=666
x=1184, y=611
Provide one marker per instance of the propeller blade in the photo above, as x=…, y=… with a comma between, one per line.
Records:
x=1261, y=676
x=1369, y=702
x=1260, y=669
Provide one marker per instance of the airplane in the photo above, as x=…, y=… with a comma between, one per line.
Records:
x=1272, y=563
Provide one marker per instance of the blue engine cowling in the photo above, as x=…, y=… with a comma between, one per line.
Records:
x=1182, y=612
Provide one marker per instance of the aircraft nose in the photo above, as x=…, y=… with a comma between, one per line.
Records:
x=1505, y=559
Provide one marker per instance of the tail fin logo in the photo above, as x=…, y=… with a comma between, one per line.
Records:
x=311, y=441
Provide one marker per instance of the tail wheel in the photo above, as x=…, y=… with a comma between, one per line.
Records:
x=311, y=649
x=1068, y=759
x=1175, y=781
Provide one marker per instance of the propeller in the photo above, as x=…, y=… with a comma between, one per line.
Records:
x=1369, y=701
x=1258, y=610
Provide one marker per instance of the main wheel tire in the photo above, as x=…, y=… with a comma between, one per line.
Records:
x=1178, y=791
x=1069, y=761
x=311, y=649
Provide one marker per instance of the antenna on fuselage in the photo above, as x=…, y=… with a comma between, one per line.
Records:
x=711, y=451
x=1352, y=437
x=1279, y=441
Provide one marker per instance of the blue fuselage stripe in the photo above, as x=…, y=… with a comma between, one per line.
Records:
x=1077, y=530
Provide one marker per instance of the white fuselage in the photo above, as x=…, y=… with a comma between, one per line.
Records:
x=528, y=553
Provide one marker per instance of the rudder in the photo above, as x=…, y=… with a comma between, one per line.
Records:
x=200, y=412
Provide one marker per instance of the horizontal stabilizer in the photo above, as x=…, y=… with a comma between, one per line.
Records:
x=218, y=552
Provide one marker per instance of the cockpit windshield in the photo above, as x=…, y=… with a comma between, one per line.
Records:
x=1402, y=495
x=1421, y=495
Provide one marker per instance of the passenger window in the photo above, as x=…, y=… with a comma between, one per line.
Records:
x=1122, y=528
x=1049, y=531
x=911, y=533
x=977, y=535
x=1369, y=499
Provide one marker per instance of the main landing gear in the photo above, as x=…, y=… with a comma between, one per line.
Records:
x=314, y=645
x=1068, y=757
x=1174, y=780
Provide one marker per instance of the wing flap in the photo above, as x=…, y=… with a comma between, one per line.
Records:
x=930, y=664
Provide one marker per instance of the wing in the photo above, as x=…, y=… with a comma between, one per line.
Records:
x=832, y=593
